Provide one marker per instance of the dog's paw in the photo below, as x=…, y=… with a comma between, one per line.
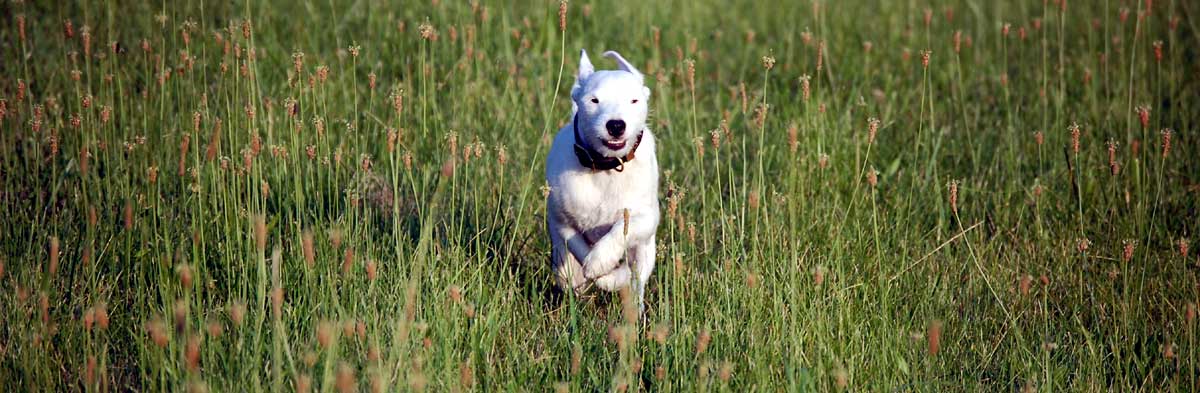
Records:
x=600, y=261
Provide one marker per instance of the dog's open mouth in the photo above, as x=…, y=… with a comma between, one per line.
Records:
x=614, y=145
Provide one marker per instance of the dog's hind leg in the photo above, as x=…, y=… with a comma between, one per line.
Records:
x=643, y=264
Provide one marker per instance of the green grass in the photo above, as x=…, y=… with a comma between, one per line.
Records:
x=157, y=199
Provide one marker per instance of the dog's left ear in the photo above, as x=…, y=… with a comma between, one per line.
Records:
x=623, y=64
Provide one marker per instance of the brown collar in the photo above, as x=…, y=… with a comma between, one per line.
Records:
x=599, y=162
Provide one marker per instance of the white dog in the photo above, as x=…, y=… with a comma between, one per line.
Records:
x=601, y=170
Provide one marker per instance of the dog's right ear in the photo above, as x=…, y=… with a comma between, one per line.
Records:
x=585, y=66
x=585, y=70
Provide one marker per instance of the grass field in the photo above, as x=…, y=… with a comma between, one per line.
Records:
x=861, y=195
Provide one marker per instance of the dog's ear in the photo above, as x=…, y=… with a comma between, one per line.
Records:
x=622, y=63
x=585, y=70
x=585, y=66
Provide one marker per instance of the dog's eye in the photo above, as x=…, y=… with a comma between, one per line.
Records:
x=634, y=101
x=595, y=100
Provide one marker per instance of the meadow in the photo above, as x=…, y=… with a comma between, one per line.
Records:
x=936, y=195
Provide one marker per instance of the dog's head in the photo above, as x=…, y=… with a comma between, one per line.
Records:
x=610, y=106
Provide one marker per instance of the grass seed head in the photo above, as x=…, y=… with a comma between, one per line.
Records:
x=1143, y=114
x=1075, y=134
x=954, y=196
x=934, y=337
x=260, y=232
x=576, y=359
x=192, y=353
x=54, y=255
x=768, y=62
x=1166, y=142
x=237, y=313
x=702, y=341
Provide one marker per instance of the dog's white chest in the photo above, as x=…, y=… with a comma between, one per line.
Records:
x=592, y=201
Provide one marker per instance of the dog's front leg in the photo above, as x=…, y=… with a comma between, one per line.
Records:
x=607, y=252
x=568, y=248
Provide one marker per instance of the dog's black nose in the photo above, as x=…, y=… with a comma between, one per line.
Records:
x=615, y=127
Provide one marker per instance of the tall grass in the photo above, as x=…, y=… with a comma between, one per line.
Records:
x=320, y=196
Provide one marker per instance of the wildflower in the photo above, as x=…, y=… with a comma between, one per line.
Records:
x=768, y=62
x=1083, y=244
x=1158, y=51
x=925, y=54
x=1127, y=253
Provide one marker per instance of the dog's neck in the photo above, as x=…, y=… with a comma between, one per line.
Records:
x=598, y=162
